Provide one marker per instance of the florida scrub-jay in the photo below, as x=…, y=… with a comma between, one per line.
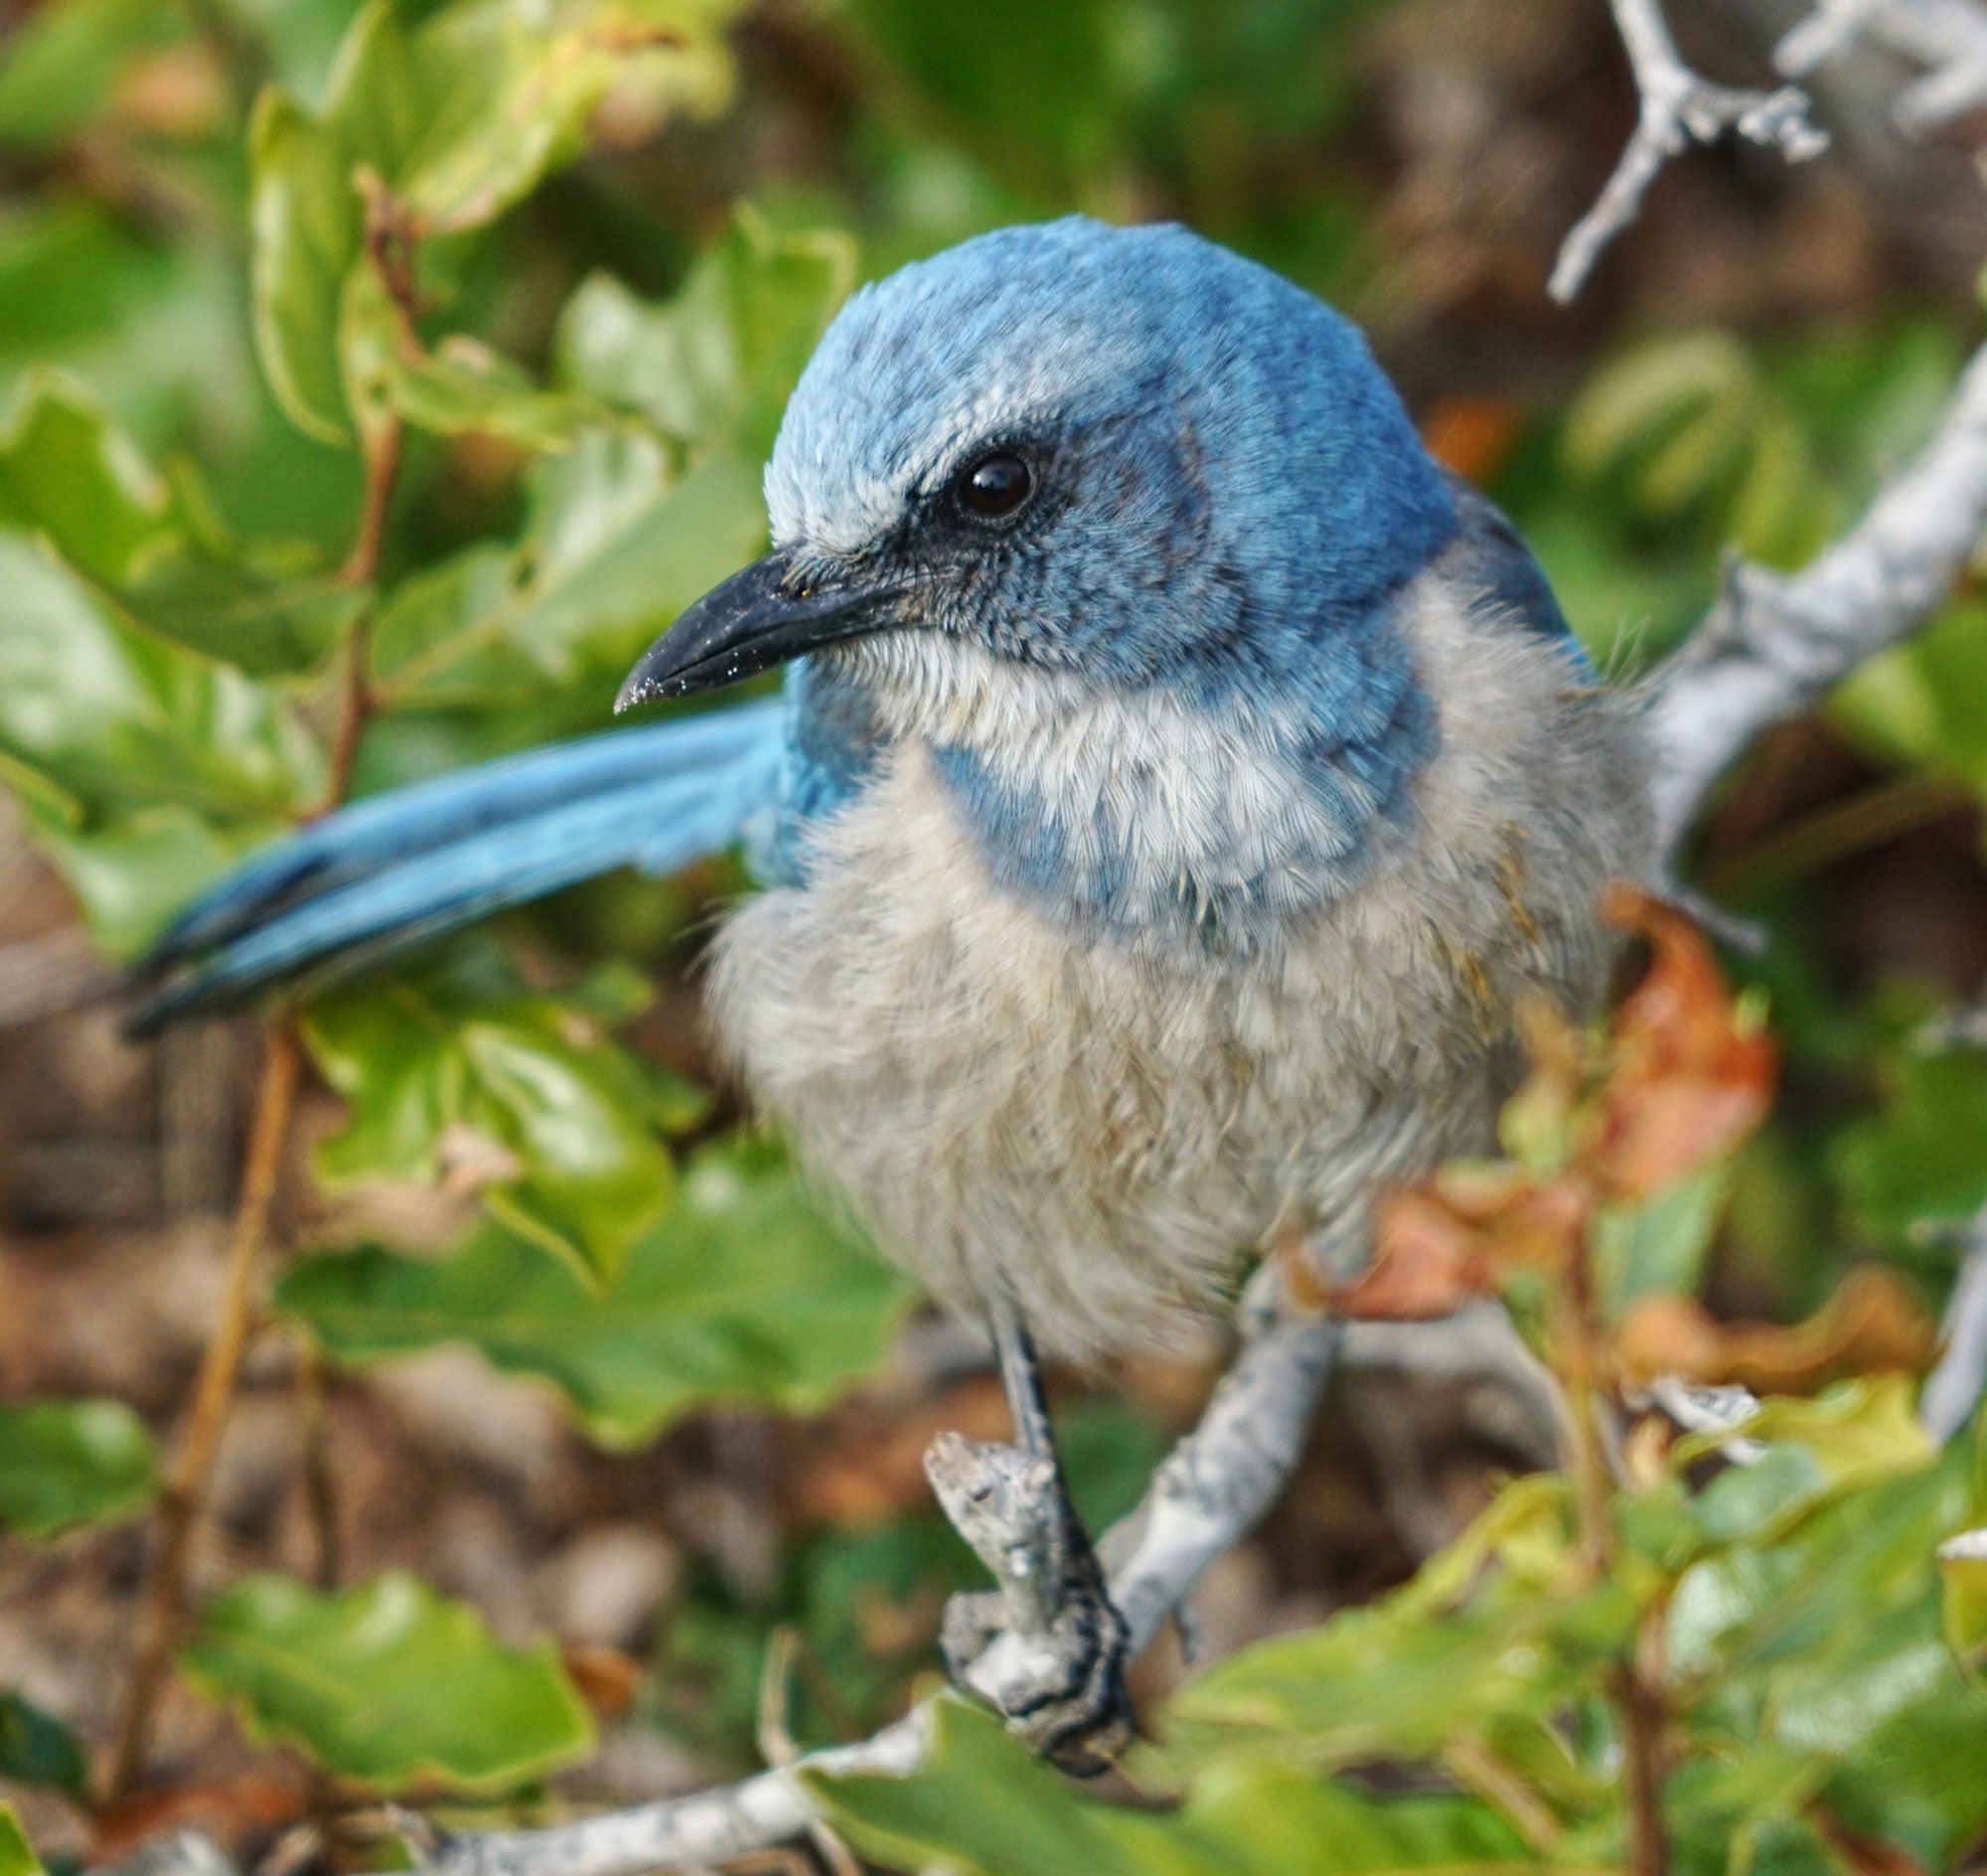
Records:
x=1178, y=781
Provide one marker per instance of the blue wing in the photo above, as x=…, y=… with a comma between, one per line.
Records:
x=1490, y=556
x=403, y=867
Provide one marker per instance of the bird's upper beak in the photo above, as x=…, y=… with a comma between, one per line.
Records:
x=758, y=618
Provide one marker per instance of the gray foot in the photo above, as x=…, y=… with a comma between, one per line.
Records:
x=1068, y=1701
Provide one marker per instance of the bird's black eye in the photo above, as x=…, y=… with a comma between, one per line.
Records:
x=995, y=486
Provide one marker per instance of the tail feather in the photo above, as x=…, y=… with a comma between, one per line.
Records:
x=404, y=866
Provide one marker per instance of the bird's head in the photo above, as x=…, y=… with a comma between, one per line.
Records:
x=1125, y=455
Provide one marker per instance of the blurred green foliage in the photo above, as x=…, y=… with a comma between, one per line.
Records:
x=543, y=273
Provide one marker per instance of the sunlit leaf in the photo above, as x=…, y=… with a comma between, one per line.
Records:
x=1415, y=1672
x=454, y=118
x=389, y=1682
x=746, y=1291
x=67, y=473
x=1963, y=1563
x=16, y=1855
x=65, y=1462
x=488, y=625
x=1858, y=1433
x=524, y=1100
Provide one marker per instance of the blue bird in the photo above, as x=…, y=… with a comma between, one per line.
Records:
x=1179, y=782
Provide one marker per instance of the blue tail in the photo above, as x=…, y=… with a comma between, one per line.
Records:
x=421, y=861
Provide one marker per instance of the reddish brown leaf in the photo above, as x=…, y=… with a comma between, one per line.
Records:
x=233, y=1812
x=607, y=1679
x=1428, y=1261
x=1472, y=434
x=1871, y=1323
x=1689, y=1080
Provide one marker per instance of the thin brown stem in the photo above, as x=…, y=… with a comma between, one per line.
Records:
x=1641, y=1710
x=214, y=1389
x=362, y=567
x=1584, y=1374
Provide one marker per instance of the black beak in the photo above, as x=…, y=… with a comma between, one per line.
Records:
x=757, y=619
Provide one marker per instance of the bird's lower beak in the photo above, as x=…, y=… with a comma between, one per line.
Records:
x=758, y=618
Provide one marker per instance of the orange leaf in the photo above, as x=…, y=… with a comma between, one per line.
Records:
x=1689, y=1081
x=246, y=1809
x=1871, y=1323
x=1472, y=434
x=607, y=1679
x=1428, y=1261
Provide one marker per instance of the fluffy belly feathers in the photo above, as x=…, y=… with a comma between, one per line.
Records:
x=1097, y=1139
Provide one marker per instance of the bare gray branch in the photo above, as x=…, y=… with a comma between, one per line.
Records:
x=1774, y=644
x=1947, y=37
x=1678, y=108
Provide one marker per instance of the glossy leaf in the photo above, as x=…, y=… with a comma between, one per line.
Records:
x=523, y=1099
x=72, y=475
x=1856, y=1433
x=1413, y=1672
x=746, y=1291
x=67, y=473
x=35, y=1748
x=389, y=1682
x=454, y=118
x=464, y=387
x=65, y=1462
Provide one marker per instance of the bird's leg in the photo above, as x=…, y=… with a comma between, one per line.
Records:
x=1048, y=1647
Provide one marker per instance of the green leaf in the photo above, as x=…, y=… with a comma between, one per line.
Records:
x=132, y=872
x=70, y=473
x=144, y=766
x=982, y=1804
x=1856, y=1433
x=745, y=1290
x=116, y=714
x=65, y=1462
x=718, y=361
x=526, y=1098
x=1923, y=1155
x=65, y=471
x=456, y=117
x=307, y=226
x=1660, y=1244
x=16, y=1855
x=35, y=1748
x=624, y=553
x=1423, y=1667
x=465, y=387
x=1919, y=703
x=389, y=1682
x=1812, y=1640
x=153, y=329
